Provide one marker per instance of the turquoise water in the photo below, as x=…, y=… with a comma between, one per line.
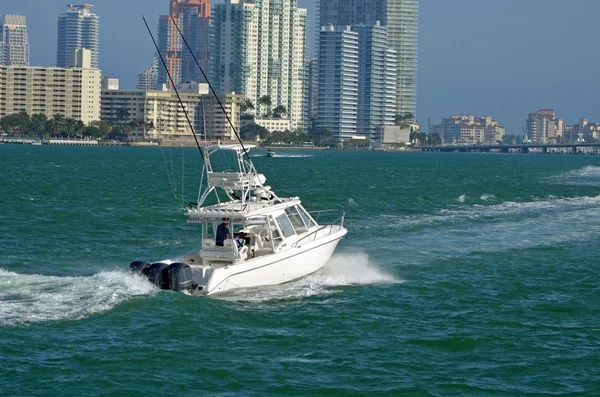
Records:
x=461, y=275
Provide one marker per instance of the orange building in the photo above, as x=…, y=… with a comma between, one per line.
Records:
x=192, y=18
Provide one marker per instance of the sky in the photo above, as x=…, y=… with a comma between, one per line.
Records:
x=503, y=58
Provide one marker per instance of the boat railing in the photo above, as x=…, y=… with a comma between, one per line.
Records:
x=318, y=214
x=323, y=231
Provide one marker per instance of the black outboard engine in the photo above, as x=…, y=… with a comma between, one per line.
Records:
x=158, y=273
x=139, y=267
x=180, y=276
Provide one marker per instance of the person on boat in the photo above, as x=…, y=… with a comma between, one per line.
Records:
x=222, y=233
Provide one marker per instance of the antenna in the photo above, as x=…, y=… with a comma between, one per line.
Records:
x=187, y=117
x=211, y=89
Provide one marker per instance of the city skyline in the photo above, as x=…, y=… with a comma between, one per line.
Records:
x=500, y=59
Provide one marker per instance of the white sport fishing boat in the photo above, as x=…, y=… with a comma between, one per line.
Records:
x=269, y=239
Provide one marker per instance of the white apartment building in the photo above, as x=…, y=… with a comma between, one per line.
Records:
x=258, y=50
x=544, y=127
x=71, y=92
x=163, y=111
x=469, y=130
x=338, y=81
x=14, y=41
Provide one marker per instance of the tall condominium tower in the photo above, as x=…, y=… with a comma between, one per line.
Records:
x=192, y=18
x=258, y=50
x=401, y=17
x=377, y=84
x=77, y=28
x=338, y=81
x=14, y=42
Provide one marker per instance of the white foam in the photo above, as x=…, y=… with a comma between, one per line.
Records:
x=341, y=270
x=37, y=298
x=461, y=198
x=587, y=176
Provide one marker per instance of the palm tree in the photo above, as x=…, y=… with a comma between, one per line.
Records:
x=265, y=100
x=279, y=111
x=247, y=105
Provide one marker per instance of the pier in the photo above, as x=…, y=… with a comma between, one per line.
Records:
x=563, y=148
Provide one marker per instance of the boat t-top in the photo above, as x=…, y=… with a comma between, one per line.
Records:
x=249, y=235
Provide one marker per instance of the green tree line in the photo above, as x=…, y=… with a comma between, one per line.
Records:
x=40, y=126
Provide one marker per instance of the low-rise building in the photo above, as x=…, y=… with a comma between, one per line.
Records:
x=162, y=112
x=270, y=124
x=469, y=130
x=69, y=92
x=393, y=137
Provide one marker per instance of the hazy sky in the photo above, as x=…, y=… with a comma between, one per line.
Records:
x=503, y=58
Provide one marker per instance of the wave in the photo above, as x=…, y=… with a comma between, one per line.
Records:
x=587, y=176
x=498, y=227
x=34, y=298
x=342, y=270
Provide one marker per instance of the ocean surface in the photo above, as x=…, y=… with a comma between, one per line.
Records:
x=461, y=275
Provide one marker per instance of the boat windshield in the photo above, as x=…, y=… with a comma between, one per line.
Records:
x=285, y=225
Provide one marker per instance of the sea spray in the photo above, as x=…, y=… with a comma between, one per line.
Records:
x=33, y=298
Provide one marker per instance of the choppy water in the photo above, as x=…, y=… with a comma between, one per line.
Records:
x=462, y=274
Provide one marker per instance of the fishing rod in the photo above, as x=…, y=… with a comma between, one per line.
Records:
x=175, y=88
x=211, y=89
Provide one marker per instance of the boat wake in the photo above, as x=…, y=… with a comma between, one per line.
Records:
x=33, y=298
x=501, y=227
x=587, y=176
x=342, y=270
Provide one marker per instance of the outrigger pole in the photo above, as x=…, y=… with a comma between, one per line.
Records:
x=211, y=89
x=175, y=88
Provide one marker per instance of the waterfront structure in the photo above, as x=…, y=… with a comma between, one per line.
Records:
x=78, y=28
x=69, y=92
x=377, y=84
x=469, y=130
x=147, y=79
x=338, y=81
x=261, y=47
x=401, y=17
x=393, y=137
x=544, y=127
x=14, y=41
x=192, y=18
x=162, y=111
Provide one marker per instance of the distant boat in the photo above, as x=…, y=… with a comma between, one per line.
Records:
x=270, y=153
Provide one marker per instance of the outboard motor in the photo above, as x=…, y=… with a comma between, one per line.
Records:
x=158, y=273
x=139, y=267
x=180, y=276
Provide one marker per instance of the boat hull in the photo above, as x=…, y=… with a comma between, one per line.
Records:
x=276, y=268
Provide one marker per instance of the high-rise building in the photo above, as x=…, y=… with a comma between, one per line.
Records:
x=77, y=28
x=258, y=50
x=544, y=127
x=192, y=18
x=401, y=17
x=147, y=78
x=377, y=84
x=14, y=41
x=338, y=81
